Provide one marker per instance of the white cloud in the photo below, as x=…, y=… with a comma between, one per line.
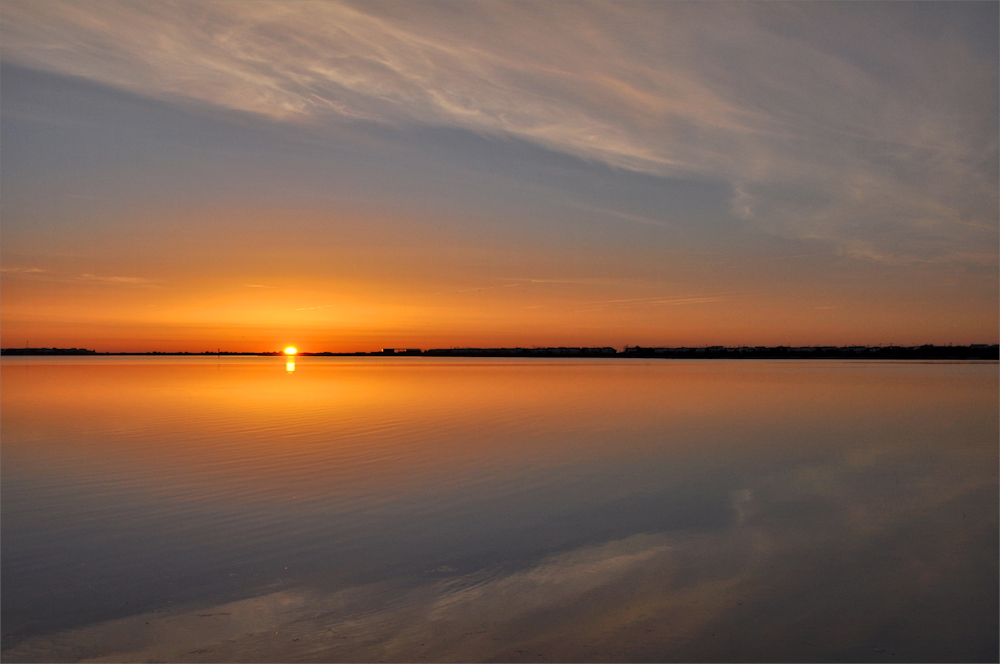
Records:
x=837, y=122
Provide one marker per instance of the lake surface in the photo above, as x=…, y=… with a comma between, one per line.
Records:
x=422, y=509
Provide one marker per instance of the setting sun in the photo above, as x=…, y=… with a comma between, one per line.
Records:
x=607, y=304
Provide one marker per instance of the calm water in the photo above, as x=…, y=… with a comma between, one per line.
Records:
x=418, y=509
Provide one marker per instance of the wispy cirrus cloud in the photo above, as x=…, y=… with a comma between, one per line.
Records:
x=116, y=281
x=47, y=275
x=21, y=270
x=322, y=306
x=521, y=281
x=642, y=302
x=863, y=125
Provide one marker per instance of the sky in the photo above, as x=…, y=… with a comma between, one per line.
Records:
x=352, y=176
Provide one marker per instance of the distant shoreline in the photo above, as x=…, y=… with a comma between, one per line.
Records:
x=926, y=352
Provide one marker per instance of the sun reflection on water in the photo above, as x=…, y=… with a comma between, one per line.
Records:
x=631, y=511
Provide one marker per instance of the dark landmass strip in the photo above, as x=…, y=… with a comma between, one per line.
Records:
x=47, y=351
x=926, y=352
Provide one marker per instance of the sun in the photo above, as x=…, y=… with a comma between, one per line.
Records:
x=291, y=350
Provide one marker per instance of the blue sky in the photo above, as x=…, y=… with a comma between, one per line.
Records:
x=425, y=174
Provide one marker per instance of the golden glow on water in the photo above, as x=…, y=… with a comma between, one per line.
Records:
x=579, y=510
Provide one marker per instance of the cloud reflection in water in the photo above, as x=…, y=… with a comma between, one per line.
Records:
x=606, y=512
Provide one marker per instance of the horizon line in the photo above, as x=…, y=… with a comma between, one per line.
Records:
x=581, y=350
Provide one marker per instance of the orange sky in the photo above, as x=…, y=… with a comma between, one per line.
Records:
x=349, y=177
